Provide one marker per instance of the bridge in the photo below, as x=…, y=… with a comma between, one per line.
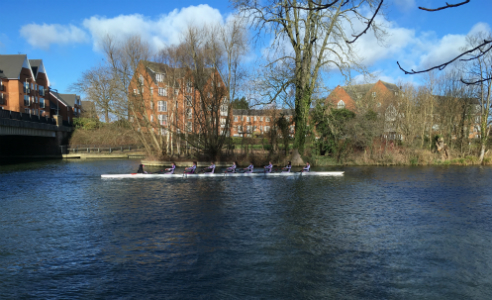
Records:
x=29, y=136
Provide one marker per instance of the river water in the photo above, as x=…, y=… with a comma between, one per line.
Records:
x=375, y=233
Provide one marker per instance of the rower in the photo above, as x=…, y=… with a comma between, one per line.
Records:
x=171, y=169
x=268, y=169
x=141, y=170
x=191, y=170
x=232, y=169
x=210, y=169
x=250, y=168
x=287, y=168
x=306, y=168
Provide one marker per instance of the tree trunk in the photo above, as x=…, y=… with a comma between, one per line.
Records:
x=301, y=116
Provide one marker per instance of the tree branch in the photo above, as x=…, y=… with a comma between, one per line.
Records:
x=444, y=65
x=368, y=24
x=444, y=7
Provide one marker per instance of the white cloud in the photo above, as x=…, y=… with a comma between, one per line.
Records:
x=166, y=29
x=42, y=36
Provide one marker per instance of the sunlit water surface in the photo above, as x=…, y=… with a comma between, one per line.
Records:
x=375, y=233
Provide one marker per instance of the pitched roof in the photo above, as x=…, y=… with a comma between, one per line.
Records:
x=358, y=91
x=390, y=86
x=35, y=64
x=12, y=65
x=68, y=98
x=59, y=98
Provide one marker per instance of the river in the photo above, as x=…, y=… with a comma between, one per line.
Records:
x=375, y=233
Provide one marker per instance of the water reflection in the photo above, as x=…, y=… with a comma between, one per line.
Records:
x=376, y=233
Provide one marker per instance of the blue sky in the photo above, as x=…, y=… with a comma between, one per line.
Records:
x=65, y=34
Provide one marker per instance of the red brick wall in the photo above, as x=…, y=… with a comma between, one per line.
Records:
x=340, y=94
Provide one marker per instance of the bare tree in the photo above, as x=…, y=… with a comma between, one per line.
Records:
x=100, y=86
x=208, y=117
x=480, y=76
x=317, y=33
x=124, y=60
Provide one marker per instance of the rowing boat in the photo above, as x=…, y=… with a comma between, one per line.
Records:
x=140, y=175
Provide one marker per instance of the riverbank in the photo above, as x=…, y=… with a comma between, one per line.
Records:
x=408, y=157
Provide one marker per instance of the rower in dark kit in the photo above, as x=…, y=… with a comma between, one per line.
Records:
x=141, y=170
x=192, y=169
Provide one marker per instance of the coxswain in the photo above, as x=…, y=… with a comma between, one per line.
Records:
x=287, y=168
x=306, y=168
x=171, y=169
x=141, y=170
x=268, y=169
x=232, y=169
x=210, y=169
x=250, y=168
x=191, y=170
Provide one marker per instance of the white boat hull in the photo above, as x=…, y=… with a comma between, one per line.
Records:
x=256, y=174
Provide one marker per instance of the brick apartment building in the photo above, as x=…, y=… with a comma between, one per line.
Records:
x=25, y=88
x=362, y=97
x=165, y=98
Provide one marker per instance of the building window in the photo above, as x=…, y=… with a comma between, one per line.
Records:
x=188, y=126
x=135, y=92
x=41, y=90
x=188, y=101
x=176, y=92
x=341, y=104
x=41, y=103
x=240, y=128
x=248, y=129
x=261, y=119
x=374, y=94
x=151, y=118
x=222, y=121
x=267, y=128
x=188, y=87
x=163, y=131
x=247, y=119
x=152, y=90
x=267, y=119
x=27, y=110
x=26, y=88
x=162, y=106
x=235, y=118
x=152, y=105
x=159, y=77
x=162, y=92
x=42, y=113
x=188, y=113
x=255, y=118
x=162, y=120
x=140, y=79
x=26, y=100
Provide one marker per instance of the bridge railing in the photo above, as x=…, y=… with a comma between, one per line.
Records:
x=14, y=115
x=99, y=149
